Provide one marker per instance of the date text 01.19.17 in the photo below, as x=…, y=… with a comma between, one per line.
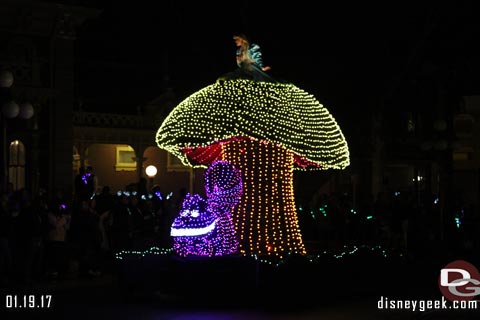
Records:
x=28, y=301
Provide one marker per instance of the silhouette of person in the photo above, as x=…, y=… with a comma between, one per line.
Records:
x=91, y=182
x=249, y=60
x=142, y=188
x=80, y=186
x=248, y=54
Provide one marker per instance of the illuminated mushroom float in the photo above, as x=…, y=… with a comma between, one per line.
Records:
x=266, y=130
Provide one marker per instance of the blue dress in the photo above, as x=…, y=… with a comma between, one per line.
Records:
x=251, y=68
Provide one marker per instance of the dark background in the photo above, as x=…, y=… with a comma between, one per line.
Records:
x=349, y=55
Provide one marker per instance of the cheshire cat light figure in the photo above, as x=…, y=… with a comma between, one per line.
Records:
x=223, y=186
x=205, y=227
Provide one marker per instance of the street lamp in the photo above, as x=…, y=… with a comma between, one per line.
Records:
x=26, y=110
x=10, y=110
x=151, y=172
x=6, y=79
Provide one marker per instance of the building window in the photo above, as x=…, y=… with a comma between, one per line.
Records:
x=463, y=152
x=461, y=156
x=75, y=160
x=124, y=160
x=16, y=165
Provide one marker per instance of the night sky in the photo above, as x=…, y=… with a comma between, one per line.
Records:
x=348, y=55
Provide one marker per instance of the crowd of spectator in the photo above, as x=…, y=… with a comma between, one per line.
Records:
x=63, y=236
x=77, y=235
x=397, y=221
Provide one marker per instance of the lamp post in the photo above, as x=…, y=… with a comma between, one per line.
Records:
x=10, y=110
x=151, y=172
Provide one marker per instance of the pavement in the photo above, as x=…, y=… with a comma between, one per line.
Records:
x=146, y=289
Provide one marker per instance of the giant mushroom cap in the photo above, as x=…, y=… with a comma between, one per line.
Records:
x=280, y=113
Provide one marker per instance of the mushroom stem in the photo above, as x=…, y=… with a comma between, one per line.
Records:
x=265, y=219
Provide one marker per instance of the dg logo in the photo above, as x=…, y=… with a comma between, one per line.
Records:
x=459, y=280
